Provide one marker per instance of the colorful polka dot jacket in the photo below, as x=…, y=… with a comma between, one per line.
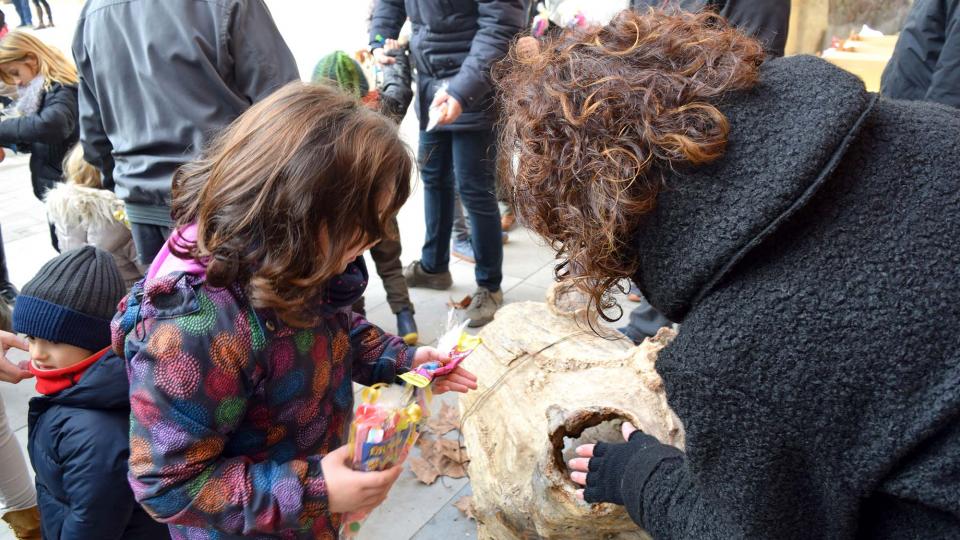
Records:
x=231, y=410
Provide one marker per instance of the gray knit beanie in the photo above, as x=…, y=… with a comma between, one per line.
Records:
x=71, y=299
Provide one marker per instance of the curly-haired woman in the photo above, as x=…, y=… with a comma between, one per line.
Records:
x=805, y=233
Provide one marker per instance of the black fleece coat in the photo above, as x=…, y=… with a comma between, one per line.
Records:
x=79, y=446
x=48, y=135
x=815, y=270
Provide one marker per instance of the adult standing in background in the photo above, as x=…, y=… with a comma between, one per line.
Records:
x=23, y=11
x=926, y=61
x=158, y=79
x=453, y=45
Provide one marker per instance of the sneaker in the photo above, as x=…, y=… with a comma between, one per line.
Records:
x=634, y=295
x=40, y=26
x=407, y=327
x=416, y=276
x=508, y=220
x=463, y=250
x=483, y=305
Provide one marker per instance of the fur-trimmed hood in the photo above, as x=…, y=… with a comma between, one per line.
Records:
x=72, y=205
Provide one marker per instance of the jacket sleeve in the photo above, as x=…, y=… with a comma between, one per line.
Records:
x=499, y=22
x=379, y=356
x=97, y=149
x=94, y=466
x=53, y=123
x=387, y=20
x=945, y=82
x=189, y=385
x=261, y=58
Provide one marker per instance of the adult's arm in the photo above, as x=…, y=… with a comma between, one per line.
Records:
x=388, y=18
x=945, y=81
x=498, y=23
x=97, y=149
x=262, y=60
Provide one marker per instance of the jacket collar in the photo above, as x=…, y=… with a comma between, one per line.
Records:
x=102, y=386
x=787, y=135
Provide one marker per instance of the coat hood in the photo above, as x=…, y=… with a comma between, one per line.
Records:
x=787, y=135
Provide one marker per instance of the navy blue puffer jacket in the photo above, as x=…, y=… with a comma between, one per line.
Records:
x=454, y=41
x=79, y=445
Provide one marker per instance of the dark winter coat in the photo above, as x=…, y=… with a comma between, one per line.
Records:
x=454, y=41
x=48, y=135
x=767, y=20
x=926, y=61
x=814, y=268
x=160, y=78
x=78, y=444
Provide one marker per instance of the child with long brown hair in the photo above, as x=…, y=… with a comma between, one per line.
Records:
x=241, y=344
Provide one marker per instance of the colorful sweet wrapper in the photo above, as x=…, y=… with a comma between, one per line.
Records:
x=388, y=419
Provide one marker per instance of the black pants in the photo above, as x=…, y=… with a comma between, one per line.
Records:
x=149, y=239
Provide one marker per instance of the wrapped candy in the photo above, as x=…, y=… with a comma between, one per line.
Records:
x=387, y=421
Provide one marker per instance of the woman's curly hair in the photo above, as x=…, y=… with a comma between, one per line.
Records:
x=597, y=118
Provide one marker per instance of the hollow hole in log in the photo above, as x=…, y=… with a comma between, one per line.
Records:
x=587, y=428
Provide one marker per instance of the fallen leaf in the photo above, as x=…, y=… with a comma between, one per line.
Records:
x=452, y=469
x=428, y=447
x=465, y=505
x=451, y=449
x=462, y=304
x=424, y=470
x=447, y=420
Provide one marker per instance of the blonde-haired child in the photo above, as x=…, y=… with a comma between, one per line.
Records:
x=85, y=214
x=46, y=120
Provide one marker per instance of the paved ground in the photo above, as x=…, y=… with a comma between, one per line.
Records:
x=413, y=509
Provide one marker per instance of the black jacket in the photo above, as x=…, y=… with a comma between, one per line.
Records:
x=814, y=268
x=454, y=41
x=926, y=61
x=47, y=135
x=766, y=20
x=78, y=444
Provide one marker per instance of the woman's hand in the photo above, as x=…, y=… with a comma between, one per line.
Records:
x=10, y=372
x=351, y=491
x=601, y=467
x=458, y=380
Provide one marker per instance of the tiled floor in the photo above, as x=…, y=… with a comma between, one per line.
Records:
x=413, y=509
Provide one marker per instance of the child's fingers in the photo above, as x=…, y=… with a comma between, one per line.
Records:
x=468, y=380
x=451, y=387
x=465, y=373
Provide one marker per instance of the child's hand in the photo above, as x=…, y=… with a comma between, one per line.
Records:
x=349, y=490
x=458, y=380
x=382, y=58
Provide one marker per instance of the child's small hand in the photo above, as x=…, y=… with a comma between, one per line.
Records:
x=349, y=490
x=458, y=380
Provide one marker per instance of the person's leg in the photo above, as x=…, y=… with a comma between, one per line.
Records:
x=36, y=4
x=474, y=161
x=49, y=13
x=386, y=258
x=436, y=172
x=645, y=321
x=18, y=497
x=461, y=227
x=149, y=240
x=23, y=11
x=8, y=293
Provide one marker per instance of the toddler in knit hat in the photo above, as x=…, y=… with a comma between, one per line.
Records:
x=78, y=427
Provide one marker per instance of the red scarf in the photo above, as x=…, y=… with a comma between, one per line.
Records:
x=51, y=381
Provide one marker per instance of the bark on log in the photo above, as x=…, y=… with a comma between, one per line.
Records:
x=546, y=382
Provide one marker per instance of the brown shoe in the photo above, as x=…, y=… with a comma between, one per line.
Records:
x=416, y=276
x=483, y=305
x=25, y=524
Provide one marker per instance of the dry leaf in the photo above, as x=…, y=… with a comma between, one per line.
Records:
x=428, y=447
x=465, y=505
x=462, y=304
x=451, y=449
x=452, y=469
x=447, y=420
x=424, y=470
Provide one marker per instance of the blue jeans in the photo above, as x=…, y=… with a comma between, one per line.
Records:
x=465, y=161
x=23, y=11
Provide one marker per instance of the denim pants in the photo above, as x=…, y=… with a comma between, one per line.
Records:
x=149, y=240
x=23, y=11
x=464, y=161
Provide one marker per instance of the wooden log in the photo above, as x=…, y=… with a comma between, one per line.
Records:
x=546, y=384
